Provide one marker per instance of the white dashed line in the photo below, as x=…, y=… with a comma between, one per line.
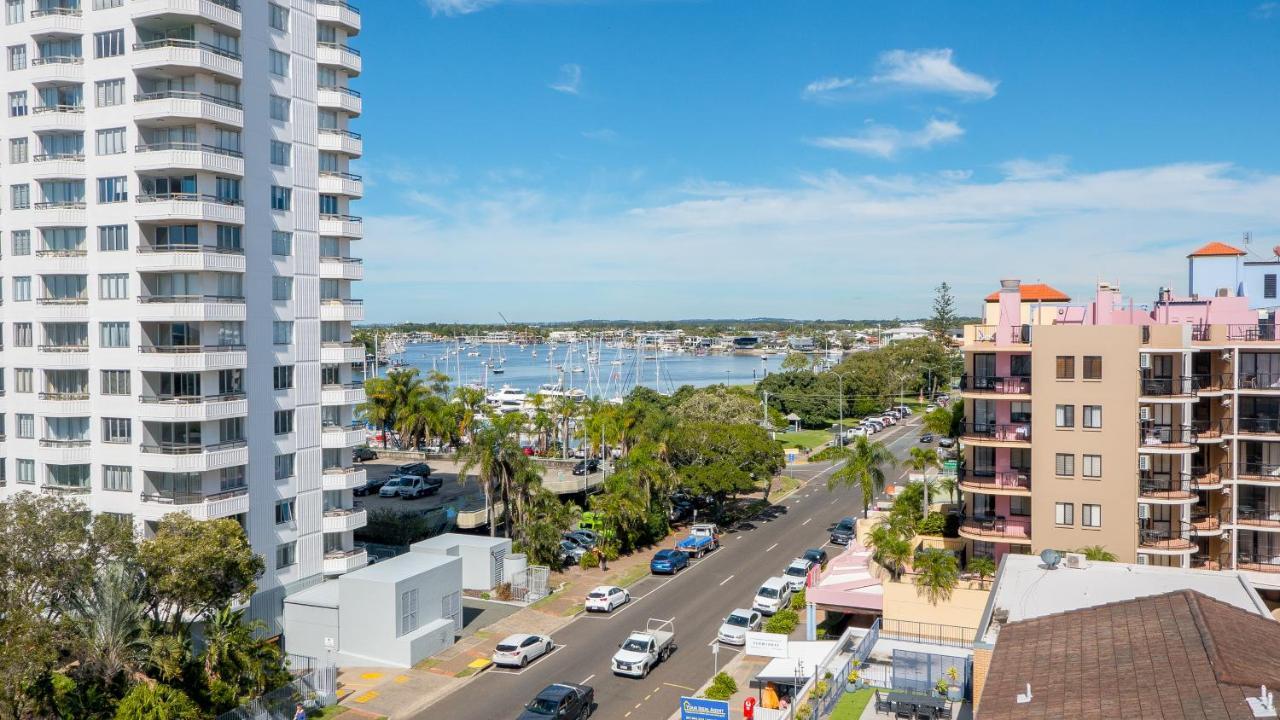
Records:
x=722, y=582
x=771, y=547
x=806, y=522
x=587, y=679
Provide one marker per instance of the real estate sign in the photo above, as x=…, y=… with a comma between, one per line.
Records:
x=692, y=708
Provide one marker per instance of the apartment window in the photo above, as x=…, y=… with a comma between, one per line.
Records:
x=115, y=382
x=282, y=377
x=408, y=611
x=281, y=288
x=26, y=472
x=1090, y=515
x=1092, y=367
x=329, y=375
x=18, y=104
x=26, y=425
x=1020, y=506
x=113, y=189
x=284, y=422
x=284, y=466
x=1066, y=367
x=1269, y=285
x=280, y=153
x=107, y=93
x=20, y=196
x=22, y=380
x=18, y=152
x=1065, y=416
x=21, y=242
x=114, y=334
x=111, y=141
x=281, y=198
x=117, y=478
x=286, y=554
x=284, y=512
x=279, y=108
x=278, y=17
x=282, y=332
x=113, y=238
x=281, y=243
x=116, y=430
x=113, y=286
x=1064, y=464
x=108, y=44
x=1093, y=416
x=329, y=205
x=107, y=4
x=1064, y=513
x=1091, y=466
x=279, y=63
x=18, y=57
x=22, y=335
x=22, y=289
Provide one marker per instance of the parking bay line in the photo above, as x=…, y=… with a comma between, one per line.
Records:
x=722, y=582
x=771, y=547
x=806, y=522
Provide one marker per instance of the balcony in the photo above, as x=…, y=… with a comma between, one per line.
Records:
x=340, y=562
x=181, y=105
x=342, y=352
x=189, y=258
x=1252, y=562
x=179, y=408
x=336, y=97
x=1166, y=439
x=987, y=481
x=341, y=183
x=61, y=310
x=65, y=490
x=1166, y=389
x=58, y=214
x=338, y=13
x=219, y=12
x=176, y=54
x=191, y=358
x=1265, y=426
x=1205, y=523
x=1248, y=517
x=1212, y=383
x=188, y=156
x=1166, y=538
x=340, y=520
x=351, y=393
x=342, y=310
x=56, y=69
x=342, y=268
x=1175, y=489
x=55, y=21
x=1259, y=383
x=189, y=207
x=343, y=478
x=64, y=166
x=335, y=437
x=338, y=56
x=996, y=529
x=1254, y=473
x=986, y=337
x=64, y=404
x=196, y=308
x=984, y=386
x=156, y=505
x=347, y=226
x=65, y=451
x=998, y=435
x=193, y=457
x=58, y=118
x=343, y=141
x=1210, y=431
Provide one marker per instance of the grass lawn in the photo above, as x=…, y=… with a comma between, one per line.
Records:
x=807, y=439
x=782, y=485
x=852, y=704
x=329, y=712
x=632, y=576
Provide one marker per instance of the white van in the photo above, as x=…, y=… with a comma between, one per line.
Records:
x=773, y=595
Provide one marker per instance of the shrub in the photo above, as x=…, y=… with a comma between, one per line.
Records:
x=783, y=622
x=589, y=561
x=162, y=702
x=611, y=551
x=503, y=591
x=798, y=600
x=722, y=687
x=804, y=712
x=935, y=523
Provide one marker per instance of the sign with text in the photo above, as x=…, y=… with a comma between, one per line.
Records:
x=692, y=708
x=766, y=644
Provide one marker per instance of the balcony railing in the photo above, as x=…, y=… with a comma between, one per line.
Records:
x=349, y=302
x=182, y=248
x=343, y=133
x=341, y=89
x=1204, y=429
x=1007, y=335
x=188, y=197
x=57, y=10
x=338, y=46
x=64, y=442
x=1252, y=562
x=1167, y=386
x=346, y=345
x=189, y=147
x=65, y=489
x=339, y=3
x=1259, y=381
x=1178, y=485
x=189, y=399
x=1204, y=521
x=182, y=299
x=1013, y=385
x=58, y=60
x=342, y=428
x=1263, y=472
x=72, y=300
x=353, y=385
x=1258, y=425
x=1151, y=435
x=64, y=252
x=1016, y=432
x=65, y=396
x=186, y=498
x=997, y=526
x=184, y=349
x=51, y=157
x=1173, y=535
x=190, y=448
x=343, y=175
x=995, y=479
x=1252, y=332
x=341, y=218
x=1260, y=516
x=84, y=347
x=186, y=44
x=187, y=95
x=60, y=205
x=1212, y=382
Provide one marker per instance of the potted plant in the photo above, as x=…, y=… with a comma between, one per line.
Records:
x=954, y=691
x=941, y=687
x=853, y=683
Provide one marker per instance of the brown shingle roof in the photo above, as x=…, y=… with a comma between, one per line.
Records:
x=1177, y=656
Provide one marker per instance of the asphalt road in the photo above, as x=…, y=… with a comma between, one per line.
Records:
x=696, y=601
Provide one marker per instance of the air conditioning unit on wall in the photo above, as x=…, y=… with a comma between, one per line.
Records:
x=1144, y=560
x=1144, y=462
x=1144, y=414
x=1144, y=511
x=1144, y=361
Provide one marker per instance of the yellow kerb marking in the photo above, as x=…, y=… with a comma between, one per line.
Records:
x=371, y=676
x=367, y=696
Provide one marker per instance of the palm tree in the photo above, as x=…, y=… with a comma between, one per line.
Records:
x=982, y=566
x=228, y=651
x=378, y=409
x=937, y=574
x=864, y=465
x=564, y=409
x=472, y=403
x=945, y=421
x=651, y=471
x=889, y=548
x=416, y=419
x=922, y=460
x=1097, y=553
x=110, y=622
x=495, y=455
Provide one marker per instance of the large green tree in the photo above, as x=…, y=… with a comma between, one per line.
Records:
x=725, y=459
x=193, y=567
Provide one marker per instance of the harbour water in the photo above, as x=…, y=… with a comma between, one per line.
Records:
x=612, y=374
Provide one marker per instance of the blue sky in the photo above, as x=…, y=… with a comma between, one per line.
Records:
x=652, y=159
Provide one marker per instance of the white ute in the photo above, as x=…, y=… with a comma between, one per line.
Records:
x=642, y=650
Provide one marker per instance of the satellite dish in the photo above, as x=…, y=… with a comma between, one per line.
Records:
x=1051, y=558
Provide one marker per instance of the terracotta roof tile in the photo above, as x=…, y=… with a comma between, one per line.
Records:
x=1036, y=292
x=1215, y=249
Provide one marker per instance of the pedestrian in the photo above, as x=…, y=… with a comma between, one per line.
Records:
x=604, y=561
x=299, y=713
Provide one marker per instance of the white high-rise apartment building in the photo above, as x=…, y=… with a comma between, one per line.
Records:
x=176, y=274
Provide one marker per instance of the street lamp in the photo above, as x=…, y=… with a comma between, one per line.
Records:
x=840, y=438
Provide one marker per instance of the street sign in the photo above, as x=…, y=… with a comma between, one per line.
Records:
x=766, y=644
x=692, y=708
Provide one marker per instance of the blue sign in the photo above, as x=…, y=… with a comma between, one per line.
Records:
x=692, y=708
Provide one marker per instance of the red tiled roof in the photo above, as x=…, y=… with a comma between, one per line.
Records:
x=1177, y=656
x=1036, y=292
x=1216, y=249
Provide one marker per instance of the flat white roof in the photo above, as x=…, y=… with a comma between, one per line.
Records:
x=323, y=595
x=399, y=567
x=811, y=653
x=449, y=540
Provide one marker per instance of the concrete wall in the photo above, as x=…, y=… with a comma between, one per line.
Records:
x=372, y=609
x=306, y=627
x=478, y=563
x=1205, y=275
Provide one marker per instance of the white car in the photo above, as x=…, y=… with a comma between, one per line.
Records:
x=392, y=488
x=797, y=573
x=517, y=650
x=607, y=597
x=736, y=626
x=773, y=595
x=930, y=407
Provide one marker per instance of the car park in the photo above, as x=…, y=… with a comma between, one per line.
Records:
x=413, y=487
x=734, y=629
x=517, y=650
x=816, y=555
x=842, y=533
x=797, y=574
x=668, y=561
x=773, y=595
x=562, y=701
x=586, y=467
x=605, y=598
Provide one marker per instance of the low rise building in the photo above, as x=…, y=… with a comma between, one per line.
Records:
x=486, y=561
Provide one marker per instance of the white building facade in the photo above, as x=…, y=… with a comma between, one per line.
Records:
x=176, y=268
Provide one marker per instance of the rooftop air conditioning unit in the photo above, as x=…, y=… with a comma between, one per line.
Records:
x=1144, y=462
x=1144, y=361
x=1076, y=561
x=1144, y=511
x=1144, y=560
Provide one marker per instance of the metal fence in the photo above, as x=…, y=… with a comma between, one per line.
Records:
x=530, y=584
x=920, y=672
x=316, y=687
x=949, y=635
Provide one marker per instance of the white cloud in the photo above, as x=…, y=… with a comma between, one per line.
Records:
x=885, y=141
x=930, y=71
x=457, y=7
x=1267, y=10
x=825, y=88
x=1025, y=169
x=570, y=79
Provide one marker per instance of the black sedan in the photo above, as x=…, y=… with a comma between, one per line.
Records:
x=562, y=701
x=842, y=533
x=361, y=454
x=371, y=485
x=586, y=467
x=816, y=555
x=927, y=438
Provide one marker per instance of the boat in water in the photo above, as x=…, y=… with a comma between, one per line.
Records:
x=507, y=399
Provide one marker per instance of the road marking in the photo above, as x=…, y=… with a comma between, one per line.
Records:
x=772, y=547
x=806, y=522
x=627, y=715
x=722, y=582
x=682, y=687
x=637, y=707
x=646, y=697
x=740, y=537
x=657, y=689
x=587, y=679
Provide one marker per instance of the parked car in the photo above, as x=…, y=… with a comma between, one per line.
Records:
x=361, y=454
x=583, y=541
x=888, y=420
x=586, y=467
x=930, y=407
x=904, y=409
x=643, y=649
x=590, y=535
x=927, y=438
x=414, y=487
x=773, y=595
x=703, y=538
x=734, y=629
x=797, y=574
x=842, y=533
x=607, y=597
x=562, y=701
x=816, y=555
x=668, y=561
x=875, y=424
x=422, y=470
x=946, y=442
x=392, y=487
x=517, y=650
x=371, y=484
x=571, y=553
